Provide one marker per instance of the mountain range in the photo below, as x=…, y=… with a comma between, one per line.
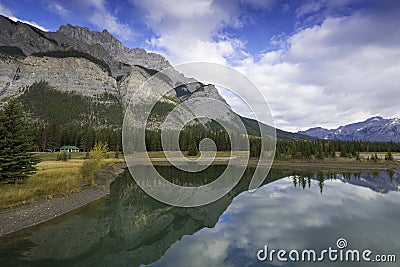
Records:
x=94, y=76
x=94, y=73
x=375, y=129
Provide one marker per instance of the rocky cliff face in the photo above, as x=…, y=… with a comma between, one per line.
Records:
x=32, y=40
x=28, y=38
x=129, y=67
x=135, y=56
x=67, y=74
x=98, y=44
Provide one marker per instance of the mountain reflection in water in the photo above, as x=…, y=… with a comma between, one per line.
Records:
x=129, y=228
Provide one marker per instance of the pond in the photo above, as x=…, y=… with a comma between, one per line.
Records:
x=292, y=211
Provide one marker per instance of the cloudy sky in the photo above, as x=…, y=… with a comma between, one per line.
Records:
x=318, y=63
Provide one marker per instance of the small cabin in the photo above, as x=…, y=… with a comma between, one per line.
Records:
x=69, y=149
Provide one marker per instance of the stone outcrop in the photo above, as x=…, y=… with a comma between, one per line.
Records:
x=67, y=74
x=135, y=56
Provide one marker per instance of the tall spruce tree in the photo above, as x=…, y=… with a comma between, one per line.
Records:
x=16, y=163
x=389, y=156
x=193, y=150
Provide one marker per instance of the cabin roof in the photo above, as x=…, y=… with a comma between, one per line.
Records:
x=69, y=147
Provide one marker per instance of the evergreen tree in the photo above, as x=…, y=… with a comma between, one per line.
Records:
x=320, y=154
x=389, y=156
x=358, y=158
x=343, y=150
x=53, y=140
x=193, y=150
x=88, y=138
x=16, y=163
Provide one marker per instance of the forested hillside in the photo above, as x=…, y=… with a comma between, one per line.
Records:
x=65, y=118
x=45, y=104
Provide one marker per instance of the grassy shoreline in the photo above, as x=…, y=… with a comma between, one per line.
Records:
x=24, y=216
x=52, y=179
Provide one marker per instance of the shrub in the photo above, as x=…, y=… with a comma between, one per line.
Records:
x=99, y=151
x=389, y=156
x=63, y=156
x=94, y=163
x=88, y=169
x=193, y=151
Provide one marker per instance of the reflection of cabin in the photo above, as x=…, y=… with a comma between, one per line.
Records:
x=69, y=149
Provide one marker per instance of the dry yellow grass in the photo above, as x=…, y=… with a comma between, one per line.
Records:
x=53, y=178
x=53, y=165
x=379, y=154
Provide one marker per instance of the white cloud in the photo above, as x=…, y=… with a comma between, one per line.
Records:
x=102, y=18
x=5, y=11
x=8, y=13
x=60, y=10
x=308, y=8
x=34, y=24
x=342, y=71
x=339, y=71
x=94, y=11
x=107, y=21
x=315, y=11
x=192, y=30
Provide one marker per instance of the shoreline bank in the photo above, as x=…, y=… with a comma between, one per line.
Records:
x=15, y=219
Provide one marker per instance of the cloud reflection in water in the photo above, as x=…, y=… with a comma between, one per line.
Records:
x=285, y=217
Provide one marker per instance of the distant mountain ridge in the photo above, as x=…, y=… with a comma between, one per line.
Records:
x=375, y=129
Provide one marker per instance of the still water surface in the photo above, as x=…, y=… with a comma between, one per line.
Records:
x=292, y=210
